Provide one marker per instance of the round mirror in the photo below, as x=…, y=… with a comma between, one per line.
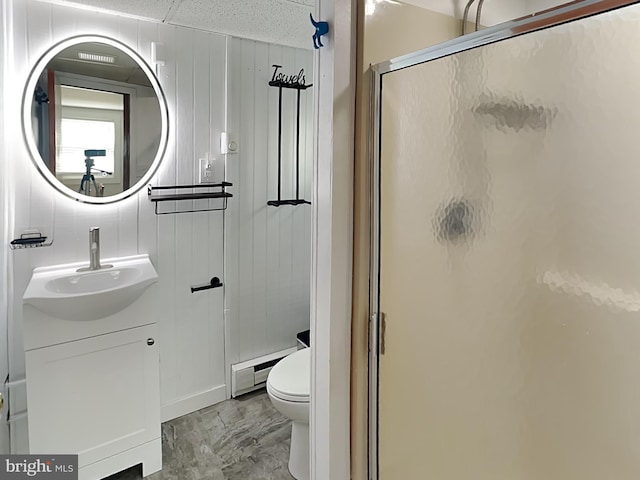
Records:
x=95, y=119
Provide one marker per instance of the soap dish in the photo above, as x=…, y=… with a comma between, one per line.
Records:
x=30, y=240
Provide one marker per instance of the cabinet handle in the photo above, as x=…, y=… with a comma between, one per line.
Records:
x=150, y=341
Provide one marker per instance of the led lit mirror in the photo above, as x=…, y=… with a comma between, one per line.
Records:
x=95, y=119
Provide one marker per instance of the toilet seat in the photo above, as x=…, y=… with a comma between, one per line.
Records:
x=290, y=378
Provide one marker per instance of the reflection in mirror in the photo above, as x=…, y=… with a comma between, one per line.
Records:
x=96, y=119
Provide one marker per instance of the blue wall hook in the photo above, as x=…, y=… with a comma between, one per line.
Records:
x=322, y=28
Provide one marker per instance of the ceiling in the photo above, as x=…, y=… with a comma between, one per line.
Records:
x=284, y=22
x=493, y=11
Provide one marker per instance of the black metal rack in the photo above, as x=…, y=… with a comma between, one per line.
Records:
x=299, y=87
x=187, y=192
x=31, y=239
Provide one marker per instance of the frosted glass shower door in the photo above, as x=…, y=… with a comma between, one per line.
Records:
x=509, y=259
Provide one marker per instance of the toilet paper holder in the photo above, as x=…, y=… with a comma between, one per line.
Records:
x=214, y=283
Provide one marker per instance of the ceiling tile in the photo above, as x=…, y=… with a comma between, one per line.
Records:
x=285, y=22
x=153, y=9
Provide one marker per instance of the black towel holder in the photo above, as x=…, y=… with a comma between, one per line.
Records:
x=299, y=87
x=190, y=192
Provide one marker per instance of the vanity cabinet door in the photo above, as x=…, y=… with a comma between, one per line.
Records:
x=95, y=397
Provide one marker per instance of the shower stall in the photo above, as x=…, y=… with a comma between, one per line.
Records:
x=505, y=269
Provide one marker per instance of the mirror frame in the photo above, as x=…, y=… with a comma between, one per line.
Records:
x=27, y=124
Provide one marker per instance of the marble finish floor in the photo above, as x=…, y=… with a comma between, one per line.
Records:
x=238, y=439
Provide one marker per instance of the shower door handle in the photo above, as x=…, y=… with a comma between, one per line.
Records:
x=383, y=333
x=377, y=333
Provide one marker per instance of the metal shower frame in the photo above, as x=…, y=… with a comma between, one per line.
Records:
x=548, y=18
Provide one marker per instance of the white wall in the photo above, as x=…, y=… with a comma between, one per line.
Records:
x=4, y=252
x=186, y=249
x=493, y=12
x=268, y=254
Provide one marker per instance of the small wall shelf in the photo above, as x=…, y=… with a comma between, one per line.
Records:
x=176, y=193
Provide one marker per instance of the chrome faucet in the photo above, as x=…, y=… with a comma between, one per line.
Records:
x=94, y=248
x=94, y=252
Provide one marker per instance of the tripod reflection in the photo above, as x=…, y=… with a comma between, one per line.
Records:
x=88, y=178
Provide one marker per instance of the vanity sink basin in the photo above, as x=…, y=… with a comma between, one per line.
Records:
x=63, y=292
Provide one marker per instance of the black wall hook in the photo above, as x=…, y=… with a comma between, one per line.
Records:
x=215, y=283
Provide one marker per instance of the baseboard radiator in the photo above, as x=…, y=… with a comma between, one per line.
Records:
x=252, y=374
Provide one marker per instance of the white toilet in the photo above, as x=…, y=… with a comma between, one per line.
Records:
x=288, y=385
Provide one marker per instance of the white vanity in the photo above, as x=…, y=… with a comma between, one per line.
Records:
x=92, y=365
x=90, y=333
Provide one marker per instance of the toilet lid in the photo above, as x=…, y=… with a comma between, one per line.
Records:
x=290, y=378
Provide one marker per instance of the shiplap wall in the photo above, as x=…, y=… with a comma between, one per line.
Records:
x=186, y=249
x=5, y=34
x=268, y=249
